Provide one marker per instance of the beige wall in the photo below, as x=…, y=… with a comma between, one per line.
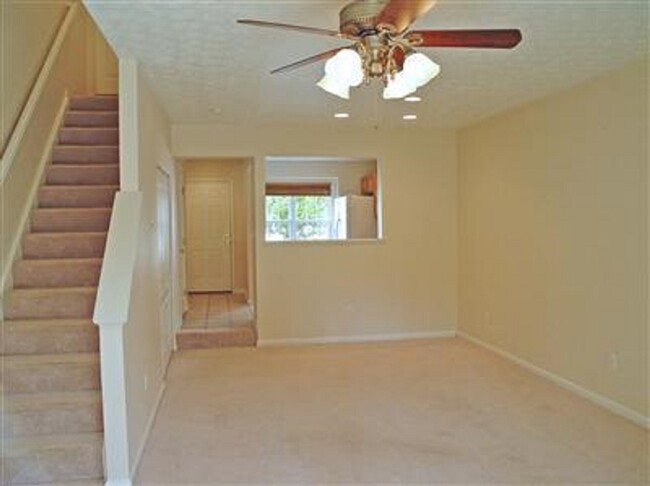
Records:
x=234, y=170
x=553, y=234
x=145, y=362
x=27, y=30
x=22, y=165
x=347, y=172
x=404, y=284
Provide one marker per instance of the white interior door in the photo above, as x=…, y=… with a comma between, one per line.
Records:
x=208, y=235
x=164, y=251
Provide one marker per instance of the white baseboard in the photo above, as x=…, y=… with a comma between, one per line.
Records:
x=362, y=338
x=145, y=438
x=606, y=403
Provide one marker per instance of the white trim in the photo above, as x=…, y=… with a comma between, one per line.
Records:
x=147, y=430
x=362, y=338
x=13, y=144
x=606, y=403
x=118, y=482
x=33, y=191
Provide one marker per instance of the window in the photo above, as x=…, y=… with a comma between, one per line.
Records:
x=299, y=211
x=321, y=198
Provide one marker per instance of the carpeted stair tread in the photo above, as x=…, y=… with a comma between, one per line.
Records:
x=83, y=244
x=43, y=303
x=48, y=336
x=76, y=196
x=60, y=272
x=89, y=136
x=84, y=175
x=85, y=154
x=33, y=414
x=50, y=373
x=47, y=220
x=53, y=458
x=91, y=118
x=92, y=103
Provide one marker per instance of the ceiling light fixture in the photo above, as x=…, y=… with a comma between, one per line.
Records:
x=410, y=117
x=401, y=69
x=341, y=115
x=413, y=99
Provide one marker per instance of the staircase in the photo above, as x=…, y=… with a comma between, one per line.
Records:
x=51, y=409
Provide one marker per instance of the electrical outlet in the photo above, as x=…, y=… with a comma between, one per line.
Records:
x=613, y=361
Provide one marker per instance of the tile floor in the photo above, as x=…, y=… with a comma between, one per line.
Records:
x=427, y=412
x=217, y=310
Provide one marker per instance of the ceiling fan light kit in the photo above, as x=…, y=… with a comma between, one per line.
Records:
x=384, y=48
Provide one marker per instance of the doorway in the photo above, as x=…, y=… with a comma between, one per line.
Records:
x=217, y=236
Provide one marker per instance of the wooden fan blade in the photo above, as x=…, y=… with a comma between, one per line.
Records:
x=490, y=39
x=310, y=60
x=296, y=28
x=398, y=15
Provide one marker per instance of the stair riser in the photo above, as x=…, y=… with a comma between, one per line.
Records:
x=63, y=246
x=81, y=338
x=88, y=136
x=32, y=305
x=242, y=337
x=76, y=197
x=52, y=377
x=90, y=103
x=83, y=175
x=91, y=119
x=83, y=461
x=69, y=418
x=81, y=154
x=45, y=221
x=40, y=274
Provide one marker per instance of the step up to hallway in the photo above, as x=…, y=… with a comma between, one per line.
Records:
x=238, y=336
x=93, y=103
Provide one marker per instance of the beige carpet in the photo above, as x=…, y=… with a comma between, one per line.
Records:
x=441, y=411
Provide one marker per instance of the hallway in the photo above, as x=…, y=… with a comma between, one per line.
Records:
x=217, y=319
x=217, y=310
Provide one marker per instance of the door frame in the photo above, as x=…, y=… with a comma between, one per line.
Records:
x=231, y=216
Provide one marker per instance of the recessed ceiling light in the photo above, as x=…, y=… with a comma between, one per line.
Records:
x=410, y=117
x=341, y=115
x=413, y=99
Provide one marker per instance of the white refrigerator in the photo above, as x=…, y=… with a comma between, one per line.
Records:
x=354, y=217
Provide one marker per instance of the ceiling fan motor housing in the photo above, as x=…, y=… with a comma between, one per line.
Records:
x=359, y=17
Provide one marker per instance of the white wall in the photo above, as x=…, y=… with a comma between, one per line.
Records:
x=553, y=234
x=405, y=284
x=143, y=336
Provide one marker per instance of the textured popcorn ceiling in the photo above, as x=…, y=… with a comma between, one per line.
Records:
x=208, y=69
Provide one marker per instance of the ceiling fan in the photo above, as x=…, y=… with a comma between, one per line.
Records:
x=384, y=47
